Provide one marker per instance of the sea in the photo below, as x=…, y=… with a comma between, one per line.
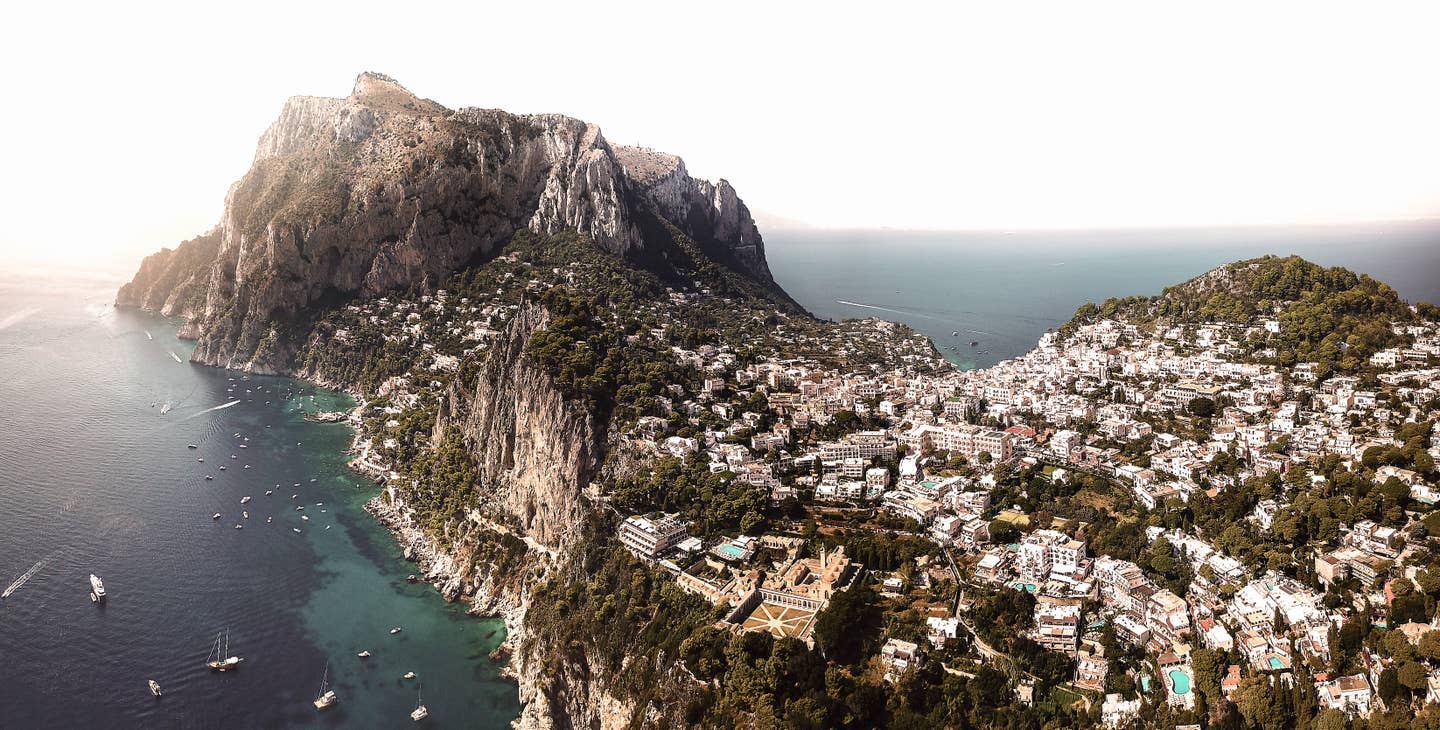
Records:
x=97, y=409
x=1003, y=289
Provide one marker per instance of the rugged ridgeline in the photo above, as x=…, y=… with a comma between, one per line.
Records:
x=383, y=190
x=383, y=193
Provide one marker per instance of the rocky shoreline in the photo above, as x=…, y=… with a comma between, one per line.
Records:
x=441, y=570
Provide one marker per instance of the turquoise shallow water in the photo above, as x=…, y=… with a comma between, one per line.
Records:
x=1003, y=290
x=94, y=478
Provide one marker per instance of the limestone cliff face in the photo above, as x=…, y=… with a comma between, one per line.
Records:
x=710, y=213
x=536, y=450
x=383, y=190
x=174, y=281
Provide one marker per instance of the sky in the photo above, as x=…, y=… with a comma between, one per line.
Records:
x=126, y=123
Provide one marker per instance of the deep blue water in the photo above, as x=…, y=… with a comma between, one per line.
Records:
x=94, y=478
x=1004, y=290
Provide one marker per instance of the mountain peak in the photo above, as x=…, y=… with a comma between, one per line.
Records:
x=378, y=91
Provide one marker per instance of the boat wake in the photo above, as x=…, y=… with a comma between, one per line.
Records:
x=16, y=317
x=177, y=357
x=216, y=408
x=910, y=313
x=24, y=578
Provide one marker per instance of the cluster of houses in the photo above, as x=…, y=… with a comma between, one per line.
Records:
x=1096, y=391
x=1087, y=401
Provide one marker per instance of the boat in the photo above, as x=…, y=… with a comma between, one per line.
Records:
x=364, y=654
x=215, y=516
x=269, y=492
x=209, y=478
x=245, y=514
x=296, y=529
x=395, y=630
x=956, y=333
x=327, y=697
x=411, y=578
x=973, y=343
x=201, y=460
x=419, y=713
x=305, y=517
x=239, y=526
x=245, y=500
x=268, y=520
x=220, y=659
x=192, y=446
x=154, y=687
x=409, y=675
x=97, y=587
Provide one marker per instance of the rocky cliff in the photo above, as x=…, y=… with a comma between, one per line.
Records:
x=384, y=190
x=536, y=450
x=174, y=282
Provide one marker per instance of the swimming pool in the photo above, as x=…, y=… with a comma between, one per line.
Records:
x=730, y=551
x=1275, y=662
x=1179, y=682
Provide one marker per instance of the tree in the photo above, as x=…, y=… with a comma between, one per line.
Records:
x=1430, y=645
x=1331, y=719
x=843, y=628
x=1208, y=664
x=1201, y=407
x=1259, y=703
x=1389, y=684
x=1412, y=676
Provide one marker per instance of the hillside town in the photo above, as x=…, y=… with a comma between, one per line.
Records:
x=1173, y=512
x=1157, y=417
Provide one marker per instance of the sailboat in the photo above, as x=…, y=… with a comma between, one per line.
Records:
x=420, y=713
x=219, y=659
x=327, y=696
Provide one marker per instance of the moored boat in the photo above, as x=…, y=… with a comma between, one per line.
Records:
x=327, y=697
x=220, y=659
x=419, y=713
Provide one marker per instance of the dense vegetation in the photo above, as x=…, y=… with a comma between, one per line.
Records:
x=1331, y=316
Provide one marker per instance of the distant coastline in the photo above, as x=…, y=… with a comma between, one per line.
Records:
x=1006, y=288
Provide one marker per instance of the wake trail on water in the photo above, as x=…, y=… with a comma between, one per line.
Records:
x=216, y=408
x=15, y=318
x=24, y=578
x=912, y=313
x=177, y=357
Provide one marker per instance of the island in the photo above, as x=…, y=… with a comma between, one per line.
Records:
x=595, y=414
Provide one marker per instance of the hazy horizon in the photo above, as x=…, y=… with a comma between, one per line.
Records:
x=962, y=117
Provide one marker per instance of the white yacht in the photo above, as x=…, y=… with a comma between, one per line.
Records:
x=97, y=588
x=154, y=687
x=419, y=713
x=327, y=697
x=220, y=659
